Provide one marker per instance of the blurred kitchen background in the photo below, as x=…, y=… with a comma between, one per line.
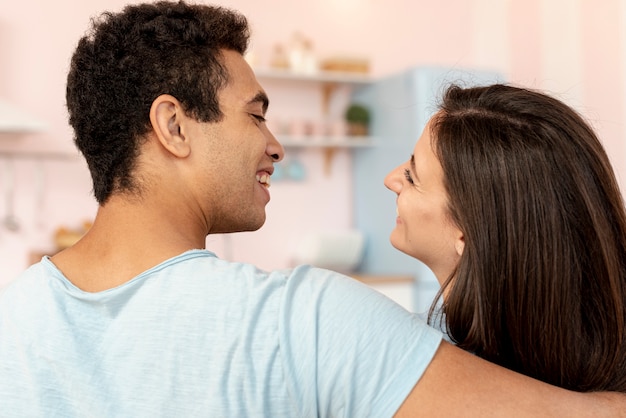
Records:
x=315, y=58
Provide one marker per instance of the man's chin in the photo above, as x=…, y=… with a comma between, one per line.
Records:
x=252, y=225
x=256, y=225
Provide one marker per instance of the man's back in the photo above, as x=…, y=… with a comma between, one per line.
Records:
x=199, y=336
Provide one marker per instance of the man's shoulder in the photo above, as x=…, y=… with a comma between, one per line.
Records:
x=28, y=278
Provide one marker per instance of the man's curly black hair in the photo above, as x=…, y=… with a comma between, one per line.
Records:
x=130, y=58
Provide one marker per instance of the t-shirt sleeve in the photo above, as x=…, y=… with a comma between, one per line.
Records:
x=348, y=350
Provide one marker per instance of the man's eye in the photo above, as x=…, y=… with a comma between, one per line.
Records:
x=259, y=118
x=407, y=175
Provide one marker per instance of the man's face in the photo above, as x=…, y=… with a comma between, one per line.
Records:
x=234, y=159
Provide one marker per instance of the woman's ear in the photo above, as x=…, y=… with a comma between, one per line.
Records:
x=167, y=117
x=459, y=244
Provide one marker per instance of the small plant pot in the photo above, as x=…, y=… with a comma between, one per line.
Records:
x=357, y=129
x=357, y=117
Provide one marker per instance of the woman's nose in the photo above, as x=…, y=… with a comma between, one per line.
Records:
x=393, y=180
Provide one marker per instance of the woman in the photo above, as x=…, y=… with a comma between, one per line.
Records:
x=510, y=199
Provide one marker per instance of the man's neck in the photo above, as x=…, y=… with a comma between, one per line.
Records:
x=126, y=239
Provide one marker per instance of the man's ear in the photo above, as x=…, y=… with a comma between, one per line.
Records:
x=166, y=117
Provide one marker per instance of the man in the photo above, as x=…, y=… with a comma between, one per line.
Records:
x=137, y=319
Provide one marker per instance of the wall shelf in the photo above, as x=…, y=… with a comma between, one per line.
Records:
x=328, y=82
x=328, y=144
x=326, y=141
x=323, y=77
x=16, y=121
x=24, y=155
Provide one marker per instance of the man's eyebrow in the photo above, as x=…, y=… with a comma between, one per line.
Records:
x=262, y=98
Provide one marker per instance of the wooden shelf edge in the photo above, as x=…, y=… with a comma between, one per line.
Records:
x=326, y=141
x=317, y=77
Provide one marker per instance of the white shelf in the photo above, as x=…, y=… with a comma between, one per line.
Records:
x=15, y=121
x=326, y=141
x=330, y=77
x=39, y=155
x=328, y=82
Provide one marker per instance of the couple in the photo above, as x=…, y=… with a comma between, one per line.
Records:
x=508, y=197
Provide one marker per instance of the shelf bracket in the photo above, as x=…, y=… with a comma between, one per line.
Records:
x=329, y=154
x=328, y=89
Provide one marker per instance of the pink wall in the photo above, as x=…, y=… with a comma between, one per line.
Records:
x=570, y=47
x=603, y=73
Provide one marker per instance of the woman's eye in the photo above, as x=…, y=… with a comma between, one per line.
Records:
x=407, y=175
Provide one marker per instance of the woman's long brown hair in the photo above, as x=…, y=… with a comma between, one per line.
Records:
x=541, y=285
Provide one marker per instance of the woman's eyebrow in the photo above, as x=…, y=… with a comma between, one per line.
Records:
x=413, y=170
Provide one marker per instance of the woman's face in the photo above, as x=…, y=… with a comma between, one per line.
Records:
x=423, y=227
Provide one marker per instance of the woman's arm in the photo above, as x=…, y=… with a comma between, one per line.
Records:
x=459, y=384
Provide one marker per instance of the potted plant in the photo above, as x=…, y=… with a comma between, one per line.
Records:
x=358, y=118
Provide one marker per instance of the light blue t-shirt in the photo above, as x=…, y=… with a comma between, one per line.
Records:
x=197, y=336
